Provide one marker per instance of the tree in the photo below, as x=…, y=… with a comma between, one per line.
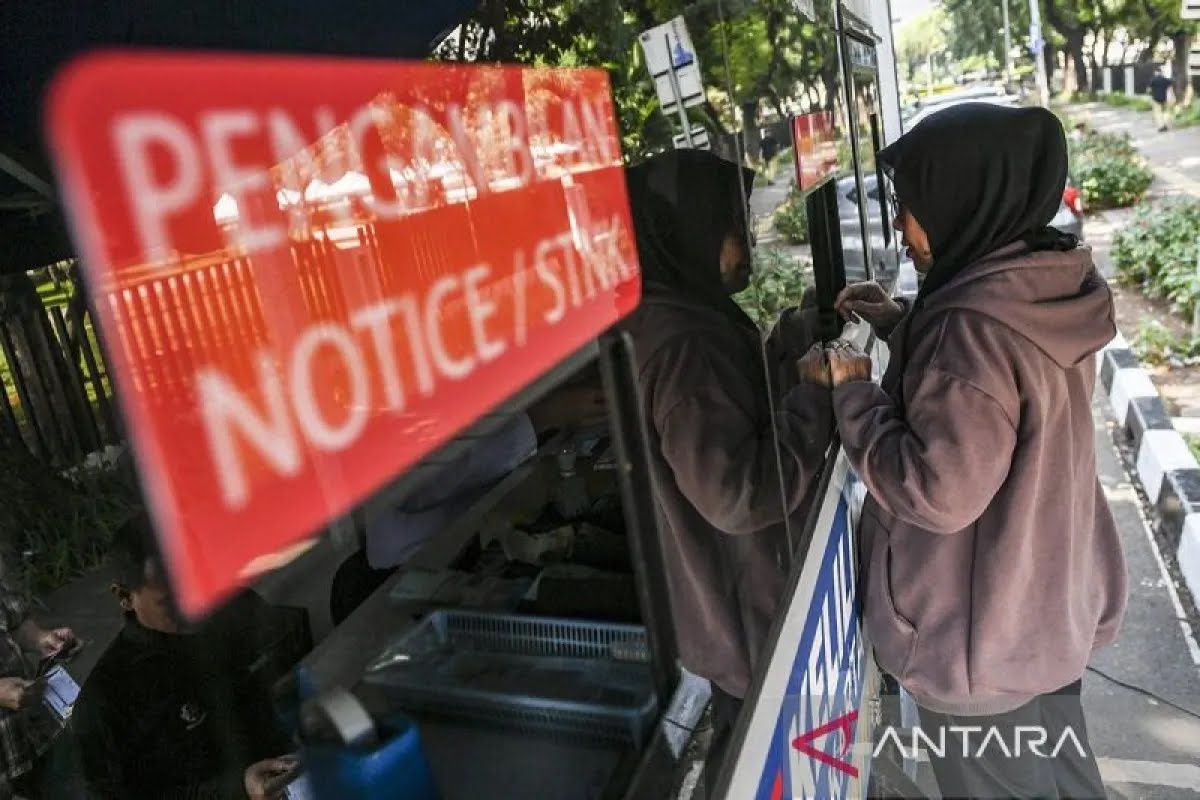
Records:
x=601, y=33
x=977, y=26
x=921, y=38
x=776, y=58
x=756, y=55
x=1156, y=20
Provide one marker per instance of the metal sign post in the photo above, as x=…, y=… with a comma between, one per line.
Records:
x=1037, y=44
x=683, y=119
x=1007, y=47
x=675, y=70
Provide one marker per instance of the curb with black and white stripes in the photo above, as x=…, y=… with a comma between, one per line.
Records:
x=1165, y=466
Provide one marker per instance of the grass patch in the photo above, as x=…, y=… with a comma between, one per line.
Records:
x=1118, y=100
x=1186, y=116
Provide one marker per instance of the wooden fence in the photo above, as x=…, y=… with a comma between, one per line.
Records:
x=55, y=391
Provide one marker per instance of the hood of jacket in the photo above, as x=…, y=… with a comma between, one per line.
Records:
x=1054, y=299
x=664, y=314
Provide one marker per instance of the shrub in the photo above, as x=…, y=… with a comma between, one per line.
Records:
x=1158, y=250
x=777, y=283
x=52, y=529
x=1187, y=116
x=1093, y=144
x=791, y=219
x=1157, y=345
x=1113, y=182
x=1108, y=170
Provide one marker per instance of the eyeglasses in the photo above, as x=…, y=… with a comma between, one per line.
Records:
x=894, y=204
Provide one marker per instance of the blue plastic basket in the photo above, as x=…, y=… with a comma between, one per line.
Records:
x=589, y=680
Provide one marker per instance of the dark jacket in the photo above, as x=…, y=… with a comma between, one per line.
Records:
x=993, y=567
x=178, y=716
x=25, y=735
x=715, y=471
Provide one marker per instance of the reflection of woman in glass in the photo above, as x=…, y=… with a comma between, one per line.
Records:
x=994, y=567
x=708, y=407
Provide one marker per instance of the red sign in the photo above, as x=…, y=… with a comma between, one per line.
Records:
x=815, y=140
x=311, y=273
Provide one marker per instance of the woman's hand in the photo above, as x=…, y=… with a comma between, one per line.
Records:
x=267, y=780
x=15, y=694
x=869, y=301
x=814, y=368
x=847, y=364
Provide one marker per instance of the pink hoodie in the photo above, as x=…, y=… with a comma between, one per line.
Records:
x=992, y=564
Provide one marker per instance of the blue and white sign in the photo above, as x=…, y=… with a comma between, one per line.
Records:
x=808, y=734
x=672, y=63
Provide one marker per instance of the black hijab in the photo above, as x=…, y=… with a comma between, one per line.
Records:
x=684, y=203
x=978, y=177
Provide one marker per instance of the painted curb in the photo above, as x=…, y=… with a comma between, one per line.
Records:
x=1164, y=465
x=1189, y=554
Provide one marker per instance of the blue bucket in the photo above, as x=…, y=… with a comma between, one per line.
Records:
x=394, y=768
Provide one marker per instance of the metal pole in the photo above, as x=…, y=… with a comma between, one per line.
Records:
x=1035, y=33
x=675, y=90
x=1007, y=46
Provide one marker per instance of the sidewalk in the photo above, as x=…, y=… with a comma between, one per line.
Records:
x=1146, y=748
x=1174, y=155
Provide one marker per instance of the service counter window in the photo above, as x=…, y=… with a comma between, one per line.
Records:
x=385, y=295
x=401, y=276
x=526, y=633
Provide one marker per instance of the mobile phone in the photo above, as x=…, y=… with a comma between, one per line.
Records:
x=59, y=691
x=300, y=789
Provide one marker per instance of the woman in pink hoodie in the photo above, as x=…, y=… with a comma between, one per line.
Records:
x=992, y=565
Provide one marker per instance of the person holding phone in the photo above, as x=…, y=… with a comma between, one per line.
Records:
x=993, y=567
x=175, y=711
x=28, y=729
